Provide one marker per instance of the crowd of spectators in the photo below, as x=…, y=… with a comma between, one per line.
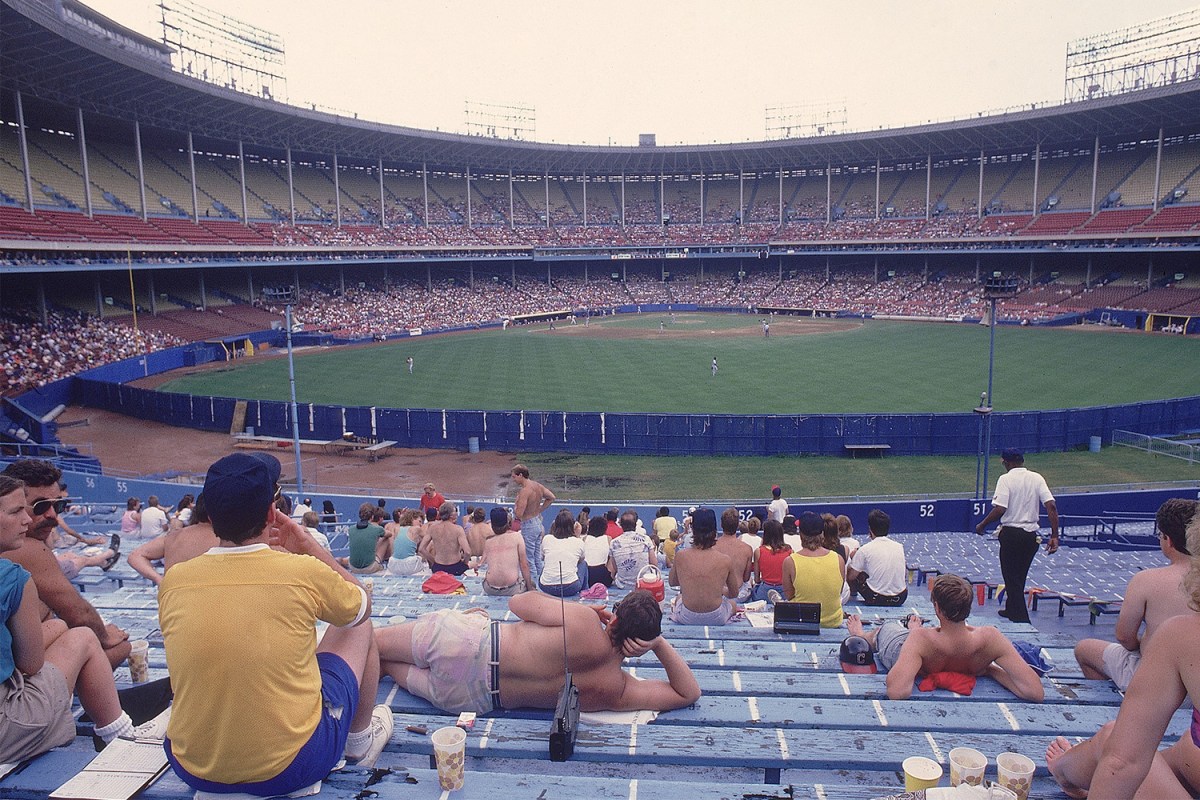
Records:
x=648, y=221
x=36, y=353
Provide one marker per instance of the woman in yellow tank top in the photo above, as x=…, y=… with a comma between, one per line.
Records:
x=815, y=574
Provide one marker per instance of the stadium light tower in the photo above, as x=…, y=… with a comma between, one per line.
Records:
x=995, y=288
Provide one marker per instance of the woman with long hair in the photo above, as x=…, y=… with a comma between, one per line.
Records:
x=596, y=549
x=768, y=561
x=562, y=552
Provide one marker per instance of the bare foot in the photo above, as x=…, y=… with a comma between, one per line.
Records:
x=1057, y=749
x=914, y=621
x=854, y=625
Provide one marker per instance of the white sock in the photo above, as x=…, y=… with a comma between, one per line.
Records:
x=121, y=725
x=358, y=742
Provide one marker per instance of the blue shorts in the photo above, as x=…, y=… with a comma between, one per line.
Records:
x=319, y=755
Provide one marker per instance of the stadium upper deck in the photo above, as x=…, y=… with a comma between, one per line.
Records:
x=97, y=122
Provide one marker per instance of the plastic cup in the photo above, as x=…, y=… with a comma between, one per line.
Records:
x=1015, y=773
x=967, y=765
x=139, y=661
x=997, y=792
x=369, y=585
x=921, y=773
x=449, y=750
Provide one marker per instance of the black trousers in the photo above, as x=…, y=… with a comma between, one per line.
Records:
x=870, y=597
x=1017, y=549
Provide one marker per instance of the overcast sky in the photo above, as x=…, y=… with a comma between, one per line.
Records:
x=689, y=72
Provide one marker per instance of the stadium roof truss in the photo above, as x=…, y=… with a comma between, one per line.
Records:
x=60, y=66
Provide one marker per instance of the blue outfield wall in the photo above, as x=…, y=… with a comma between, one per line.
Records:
x=597, y=432
x=650, y=434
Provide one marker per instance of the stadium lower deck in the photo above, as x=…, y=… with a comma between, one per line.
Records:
x=778, y=717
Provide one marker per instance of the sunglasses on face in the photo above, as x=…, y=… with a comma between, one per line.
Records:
x=40, y=507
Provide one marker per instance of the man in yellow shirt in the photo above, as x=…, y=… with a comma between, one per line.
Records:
x=260, y=706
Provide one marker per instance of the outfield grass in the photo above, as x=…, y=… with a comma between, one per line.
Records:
x=875, y=367
x=598, y=479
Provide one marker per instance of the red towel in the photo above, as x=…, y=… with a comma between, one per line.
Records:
x=442, y=583
x=954, y=681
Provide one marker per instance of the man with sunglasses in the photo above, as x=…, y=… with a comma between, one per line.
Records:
x=45, y=501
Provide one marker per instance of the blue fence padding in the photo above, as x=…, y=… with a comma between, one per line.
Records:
x=595, y=432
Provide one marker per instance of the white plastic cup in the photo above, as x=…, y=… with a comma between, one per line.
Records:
x=967, y=765
x=921, y=773
x=1015, y=773
x=139, y=661
x=449, y=750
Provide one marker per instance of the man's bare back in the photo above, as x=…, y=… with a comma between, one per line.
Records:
x=964, y=649
x=1159, y=594
x=531, y=655
x=531, y=667
x=531, y=664
x=502, y=555
x=478, y=536
x=740, y=553
x=532, y=499
x=445, y=543
x=705, y=576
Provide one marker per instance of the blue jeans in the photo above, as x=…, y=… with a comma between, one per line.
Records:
x=761, y=589
x=562, y=590
x=532, y=531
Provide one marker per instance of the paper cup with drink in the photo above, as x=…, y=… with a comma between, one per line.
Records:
x=139, y=661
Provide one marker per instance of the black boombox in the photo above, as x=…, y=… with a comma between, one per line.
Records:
x=802, y=618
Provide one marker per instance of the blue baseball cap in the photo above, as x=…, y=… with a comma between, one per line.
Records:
x=238, y=490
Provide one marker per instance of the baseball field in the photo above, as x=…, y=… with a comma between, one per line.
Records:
x=649, y=363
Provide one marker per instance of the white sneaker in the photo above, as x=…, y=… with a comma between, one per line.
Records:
x=774, y=596
x=381, y=734
x=152, y=729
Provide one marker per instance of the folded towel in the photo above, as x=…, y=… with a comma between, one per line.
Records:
x=954, y=681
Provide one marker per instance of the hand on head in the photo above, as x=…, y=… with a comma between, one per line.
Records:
x=635, y=648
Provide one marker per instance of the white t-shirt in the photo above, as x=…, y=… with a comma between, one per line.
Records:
x=754, y=540
x=154, y=522
x=630, y=552
x=794, y=541
x=1020, y=492
x=560, y=560
x=882, y=559
x=595, y=550
x=778, y=509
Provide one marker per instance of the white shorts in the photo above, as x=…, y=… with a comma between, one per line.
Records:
x=1121, y=664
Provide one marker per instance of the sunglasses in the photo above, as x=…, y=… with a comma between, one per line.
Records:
x=42, y=506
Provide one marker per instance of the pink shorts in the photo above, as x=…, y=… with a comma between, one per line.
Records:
x=456, y=648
